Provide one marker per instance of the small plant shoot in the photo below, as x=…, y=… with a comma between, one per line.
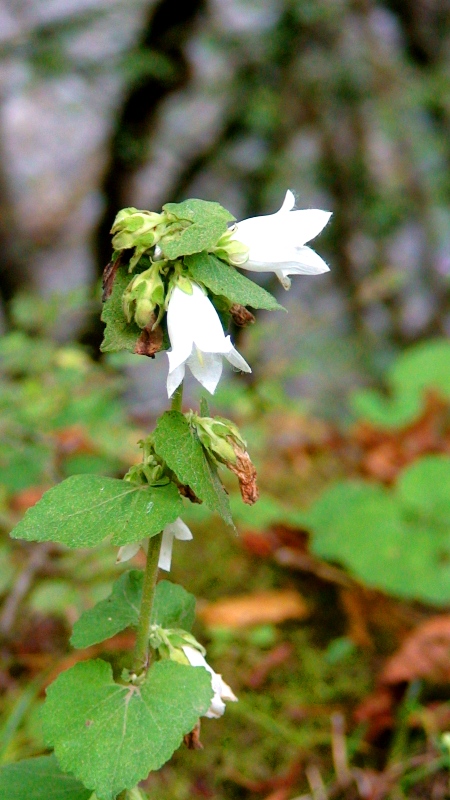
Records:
x=174, y=283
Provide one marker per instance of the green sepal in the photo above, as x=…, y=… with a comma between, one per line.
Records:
x=206, y=223
x=84, y=509
x=204, y=407
x=112, y=735
x=173, y=607
x=40, y=779
x=178, y=444
x=221, y=279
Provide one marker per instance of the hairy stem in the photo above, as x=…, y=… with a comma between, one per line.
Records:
x=140, y=658
x=177, y=398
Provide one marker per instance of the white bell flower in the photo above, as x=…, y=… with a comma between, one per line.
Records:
x=174, y=530
x=276, y=242
x=221, y=689
x=198, y=340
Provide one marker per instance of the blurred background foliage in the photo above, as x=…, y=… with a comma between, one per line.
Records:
x=104, y=103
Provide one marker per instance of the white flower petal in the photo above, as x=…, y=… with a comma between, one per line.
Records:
x=237, y=361
x=127, y=551
x=216, y=709
x=226, y=692
x=178, y=355
x=221, y=690
x=180, y=530
x=308, y=262
x=207, y=368
x=165, y=554
x=195, y=657
x=174, y=530
x=288, y=202
x=174, y=378
x=284, y=280
x=208, y=332
x=306, y=224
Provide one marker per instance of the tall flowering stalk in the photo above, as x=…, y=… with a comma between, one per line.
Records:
x=173, y=284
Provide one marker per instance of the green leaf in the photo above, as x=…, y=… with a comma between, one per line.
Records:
x=424, y=366
x=180, y=447
x=394, y=540
x=173, y=608
x=118, y=334
x=424, y=489
x=40, y=779
x=112, y=735
x=208, y=222
x=84, y=509
x=227, y=281
x=118, y=611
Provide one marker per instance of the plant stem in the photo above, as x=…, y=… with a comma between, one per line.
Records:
x=177, y=398
x=140, y=658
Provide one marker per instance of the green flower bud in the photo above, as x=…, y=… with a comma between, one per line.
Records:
x=219, y=436
x=152, y=470
x=138, y=230
x=133, y=221
x=222, y=440
x=230, y=250
x=142, y=295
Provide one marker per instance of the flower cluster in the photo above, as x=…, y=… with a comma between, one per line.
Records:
x=167, y=290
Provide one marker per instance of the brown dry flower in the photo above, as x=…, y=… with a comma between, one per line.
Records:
x=246, y=475
x=241, y=315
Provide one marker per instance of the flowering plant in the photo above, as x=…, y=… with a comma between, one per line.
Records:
x=173, y=284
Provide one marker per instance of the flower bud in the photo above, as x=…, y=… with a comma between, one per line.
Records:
x=152, y=470
x=134, y=222
x=231, y=250
x=222, y=440
x=142, y=295
x=218, y=435
x=136, y=229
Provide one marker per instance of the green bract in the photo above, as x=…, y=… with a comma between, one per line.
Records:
x=182, y=450
x=202, y=224
x=227, y=282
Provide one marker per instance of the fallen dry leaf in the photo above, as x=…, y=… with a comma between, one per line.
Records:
x=425, y=654
x=254, y=609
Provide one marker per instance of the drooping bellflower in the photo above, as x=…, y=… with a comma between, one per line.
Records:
x=198, y=340
x=221, y=689
x=276, y=242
